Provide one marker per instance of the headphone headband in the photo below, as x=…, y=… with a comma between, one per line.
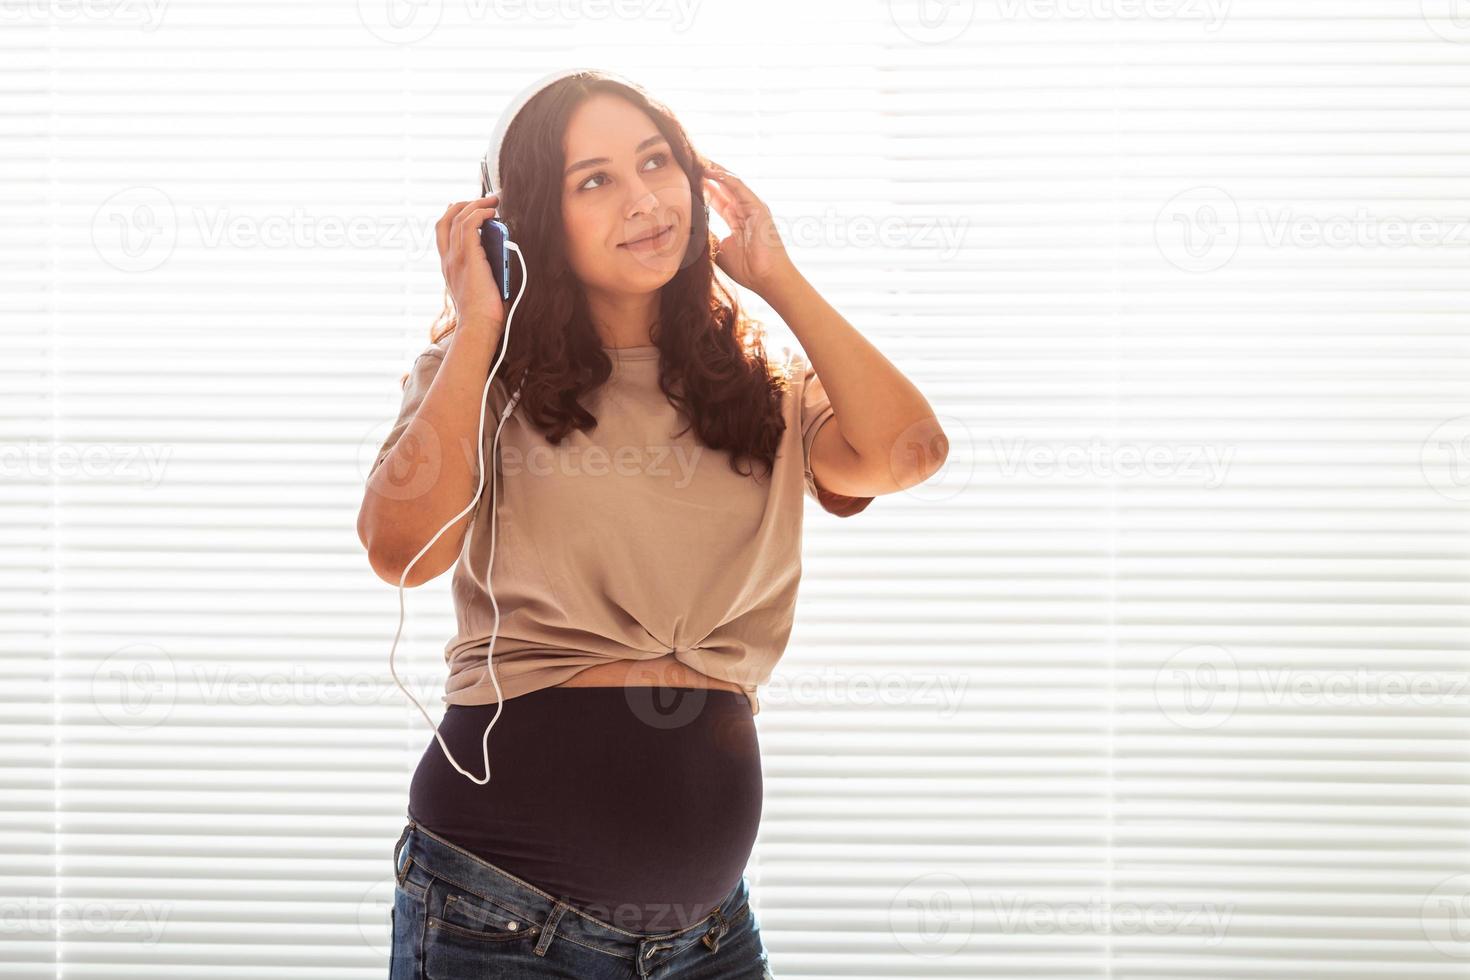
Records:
x=490, y=163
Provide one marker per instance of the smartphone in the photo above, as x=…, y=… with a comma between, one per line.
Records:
x=492, y=238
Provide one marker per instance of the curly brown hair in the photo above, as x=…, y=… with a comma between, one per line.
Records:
x=713, y=364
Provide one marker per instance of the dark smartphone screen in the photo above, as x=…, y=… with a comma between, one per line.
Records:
x=492, y=237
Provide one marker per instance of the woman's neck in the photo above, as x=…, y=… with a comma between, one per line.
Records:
x=624, y=320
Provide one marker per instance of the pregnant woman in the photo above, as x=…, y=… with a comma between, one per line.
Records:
x=629, y=570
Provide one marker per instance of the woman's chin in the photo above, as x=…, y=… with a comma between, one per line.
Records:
x=653, y=271
x=638, y=281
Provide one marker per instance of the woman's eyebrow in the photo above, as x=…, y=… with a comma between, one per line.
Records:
x=599, y=161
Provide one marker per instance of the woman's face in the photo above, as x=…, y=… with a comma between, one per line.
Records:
x=622, y=182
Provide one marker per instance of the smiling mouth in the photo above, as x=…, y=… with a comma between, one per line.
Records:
x=657, y=238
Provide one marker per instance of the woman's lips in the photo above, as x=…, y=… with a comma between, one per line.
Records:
x=650, y=244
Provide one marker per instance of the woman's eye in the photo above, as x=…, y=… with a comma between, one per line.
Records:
x=661, y=157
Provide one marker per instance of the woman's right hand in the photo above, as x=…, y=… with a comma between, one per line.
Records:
x=477, y=299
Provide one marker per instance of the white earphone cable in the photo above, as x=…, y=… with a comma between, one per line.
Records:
x=480, y=444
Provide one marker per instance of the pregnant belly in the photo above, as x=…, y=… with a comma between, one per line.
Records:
x=642, y=812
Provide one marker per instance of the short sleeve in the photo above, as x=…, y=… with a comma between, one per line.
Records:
x=415, y=388
x=816, y=411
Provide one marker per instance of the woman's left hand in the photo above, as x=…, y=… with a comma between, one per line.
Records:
x=752, y=254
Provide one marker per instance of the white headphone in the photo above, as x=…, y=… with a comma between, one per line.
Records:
x=489, y=180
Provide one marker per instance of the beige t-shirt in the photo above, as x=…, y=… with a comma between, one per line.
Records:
x=629, y=542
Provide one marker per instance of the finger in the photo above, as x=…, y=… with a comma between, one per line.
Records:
x=480, y=206
x=734, y=184
x=443, y=226
x=714, y=200
x=468, y=225
x=727, y=189
x=729, y=208
x=717, y=193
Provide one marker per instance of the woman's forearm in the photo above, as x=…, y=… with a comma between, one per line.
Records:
x=880, y=412
x=431, y=472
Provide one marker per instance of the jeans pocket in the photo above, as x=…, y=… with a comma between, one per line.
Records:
x=471, y=934
x=485, y=918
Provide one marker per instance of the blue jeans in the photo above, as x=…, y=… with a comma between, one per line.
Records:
x=456, y=915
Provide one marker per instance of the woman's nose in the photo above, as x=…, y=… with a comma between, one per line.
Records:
x=642, y=203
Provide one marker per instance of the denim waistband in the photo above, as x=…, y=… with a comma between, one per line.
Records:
x=420, y=854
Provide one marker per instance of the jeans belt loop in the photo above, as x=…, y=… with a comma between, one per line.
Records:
x=548, y=929
x=716, y=932
x=400, y=868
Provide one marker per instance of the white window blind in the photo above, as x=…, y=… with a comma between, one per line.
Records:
x=1164, y=676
